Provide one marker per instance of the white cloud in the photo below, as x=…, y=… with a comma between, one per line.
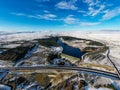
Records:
x=42, y=0
x=94, y=7
x=22, y=14
x=89, y=23
x=70, y=20
x=111, y=13
x=47, y=16
x=67, y=5
x=46, y=11
x=18, y=14
x=93, y=12
x=33, y=16
x=81, y=11
x=88, y=1
x=92, y=2
x=105, y=11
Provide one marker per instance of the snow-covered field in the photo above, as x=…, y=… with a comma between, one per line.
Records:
x=111, y=38
x=23, y=36
x=113, y=41
x=4, y=87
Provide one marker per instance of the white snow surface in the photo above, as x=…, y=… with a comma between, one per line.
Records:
x=112, y=39
x=24, y=36
x=92, y=88
x=4, y=87
x=31, y=87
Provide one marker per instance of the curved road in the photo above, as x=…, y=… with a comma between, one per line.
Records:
x=71, y=68
x=113, y=63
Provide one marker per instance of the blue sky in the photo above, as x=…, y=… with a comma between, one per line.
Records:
x=59, y=15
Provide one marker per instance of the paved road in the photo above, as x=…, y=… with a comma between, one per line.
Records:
x=117, y=70
x=72, y=68
x=113, y=63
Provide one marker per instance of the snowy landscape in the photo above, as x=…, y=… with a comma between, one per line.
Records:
x=39, y=54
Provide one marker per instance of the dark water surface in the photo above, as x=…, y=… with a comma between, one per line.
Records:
x=72, y=51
